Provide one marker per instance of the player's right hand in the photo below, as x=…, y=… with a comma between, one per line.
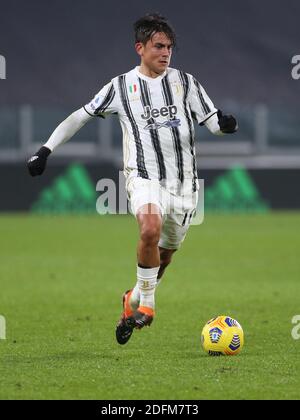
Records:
x=37, y=163
x=227, y=123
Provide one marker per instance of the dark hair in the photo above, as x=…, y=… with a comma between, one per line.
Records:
x=149, y=25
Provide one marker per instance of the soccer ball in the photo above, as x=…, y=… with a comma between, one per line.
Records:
x=222, y=336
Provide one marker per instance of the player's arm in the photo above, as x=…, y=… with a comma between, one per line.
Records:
x=220, y=124
x=66, y=129
x=207, y=114
x=102, y=104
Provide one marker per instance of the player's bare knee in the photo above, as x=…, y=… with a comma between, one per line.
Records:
x=150, y=234
x=150, y=228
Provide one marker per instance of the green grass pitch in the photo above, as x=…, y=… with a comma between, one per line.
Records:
x=61, y=284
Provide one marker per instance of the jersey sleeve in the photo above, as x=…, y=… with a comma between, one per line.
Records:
x=104, y=102
x=201, y=105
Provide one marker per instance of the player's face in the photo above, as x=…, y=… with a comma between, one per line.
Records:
x=156, y=54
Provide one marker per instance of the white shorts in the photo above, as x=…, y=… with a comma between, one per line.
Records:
x=176, y=210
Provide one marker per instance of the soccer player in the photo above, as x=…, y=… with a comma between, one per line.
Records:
x=156, y=106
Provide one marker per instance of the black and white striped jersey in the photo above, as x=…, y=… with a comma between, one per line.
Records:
x=156, y=117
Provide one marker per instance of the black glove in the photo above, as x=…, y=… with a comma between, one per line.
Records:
x=227, y=123
x=37, y=163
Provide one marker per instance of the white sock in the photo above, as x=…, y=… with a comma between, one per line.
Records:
x=147, y=278
x=135, y=297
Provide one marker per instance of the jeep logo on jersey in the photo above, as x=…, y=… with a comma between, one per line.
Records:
x=166, y=111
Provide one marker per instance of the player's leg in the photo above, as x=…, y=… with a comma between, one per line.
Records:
x=165, y=259
x=173, y=231
x=138, y=303
x=149, y=220
x=175, y=228
x=150, y=223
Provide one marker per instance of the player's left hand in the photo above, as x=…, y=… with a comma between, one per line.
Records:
x=227, y=123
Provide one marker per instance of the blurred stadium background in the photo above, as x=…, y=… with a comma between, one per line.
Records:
x=59, y=54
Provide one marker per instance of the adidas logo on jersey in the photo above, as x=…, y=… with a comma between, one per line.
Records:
x=166, y=111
